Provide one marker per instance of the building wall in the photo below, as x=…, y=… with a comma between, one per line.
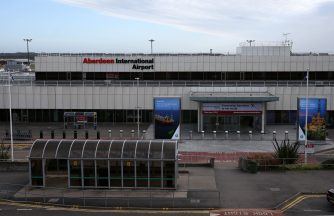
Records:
x=103, y=97
x=189, y=63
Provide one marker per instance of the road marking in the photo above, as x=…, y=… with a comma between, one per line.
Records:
x=53, y=200
x=299, y=199
x=312, y=210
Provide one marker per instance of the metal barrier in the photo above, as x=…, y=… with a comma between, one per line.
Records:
x=18, y=135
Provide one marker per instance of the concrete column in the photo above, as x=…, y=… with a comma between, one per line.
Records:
x=263, y=118
x=199, y=118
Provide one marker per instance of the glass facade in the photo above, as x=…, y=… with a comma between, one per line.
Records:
x=106, y=163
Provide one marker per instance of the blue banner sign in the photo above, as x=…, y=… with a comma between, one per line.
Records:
x=316, y=119
x=167, y=113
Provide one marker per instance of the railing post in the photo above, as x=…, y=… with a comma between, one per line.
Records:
x=226, y=134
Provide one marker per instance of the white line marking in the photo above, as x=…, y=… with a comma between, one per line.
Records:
x=312, y=210
x=24, y=209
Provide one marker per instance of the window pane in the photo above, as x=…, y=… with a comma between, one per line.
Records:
x=169, y=174
x=89, y=173
x=128, y=173
x=155, y=174
x=142, y=173
x=36, y=173
x=102, y=173
x=115, y=173
x=75, y=172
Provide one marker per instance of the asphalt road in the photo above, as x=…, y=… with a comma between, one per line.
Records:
x=13, y=209
x=312, y=206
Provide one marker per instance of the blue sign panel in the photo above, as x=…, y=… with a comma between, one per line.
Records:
x=316, y=118
x=167, y=112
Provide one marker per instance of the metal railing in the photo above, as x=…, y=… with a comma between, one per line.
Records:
x=124, y=198
x=166, y=83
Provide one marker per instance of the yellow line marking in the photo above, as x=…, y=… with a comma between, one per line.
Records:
x=73, y=209
x=299, y=199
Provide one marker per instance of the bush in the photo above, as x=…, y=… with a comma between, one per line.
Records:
x=4, y=151
x=265, y=161
x=328, y=164
x=248, y=165
x=286, y=152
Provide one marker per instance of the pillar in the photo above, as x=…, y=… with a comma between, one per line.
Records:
x=199, y=118
x=263, y=118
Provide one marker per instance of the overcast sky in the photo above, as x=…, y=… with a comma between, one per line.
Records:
x=176, y=25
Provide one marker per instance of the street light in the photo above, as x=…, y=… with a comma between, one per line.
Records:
x=306, y=114
x=28, y=40
x=250, y=42
x=138, y=130
x=151, y=40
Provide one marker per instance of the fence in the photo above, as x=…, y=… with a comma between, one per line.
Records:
x=112, y=198
x=105, y=133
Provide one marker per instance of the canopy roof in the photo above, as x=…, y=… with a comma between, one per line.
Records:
x=104, y=149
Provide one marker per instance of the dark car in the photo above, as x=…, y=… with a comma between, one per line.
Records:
x=330, y=196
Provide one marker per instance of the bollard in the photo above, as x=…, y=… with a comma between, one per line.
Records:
x=238, y=134
x=97, y=134
x=144, y=134
x=64, y=135
x=286, y=137
x=41, y=134
x=75, y=134
x=250, y=135
x=86, y=134
x=190, y=134
x=132, y=134
x=109, y=132
x=226, y=134
x=262, y=135
x=274, y=135
x=121, y=133
x=52, y=134
x=214, y=134
x=202, y=134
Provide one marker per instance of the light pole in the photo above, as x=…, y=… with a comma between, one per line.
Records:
x=151, y=45
x=138, y=129
x=306, y=114
x=250, y=42
x=10, y=118
x=28, y=40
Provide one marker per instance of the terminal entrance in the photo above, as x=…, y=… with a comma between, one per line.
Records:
x=222, y=123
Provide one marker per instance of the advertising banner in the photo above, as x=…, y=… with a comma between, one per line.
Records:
x=316, y=119
x=167, y=113
x=232, y=108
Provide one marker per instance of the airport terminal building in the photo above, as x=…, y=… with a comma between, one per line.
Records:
x=258, y=85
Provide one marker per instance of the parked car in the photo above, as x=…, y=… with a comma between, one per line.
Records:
x=330, y=196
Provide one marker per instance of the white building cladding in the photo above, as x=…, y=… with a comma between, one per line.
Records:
x=72, y=88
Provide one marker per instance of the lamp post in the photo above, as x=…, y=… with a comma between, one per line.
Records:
x=151, y=40
x=250, y=42
x=138, y=129
x=306, y=114
x=10, y=118
x=28, y=40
